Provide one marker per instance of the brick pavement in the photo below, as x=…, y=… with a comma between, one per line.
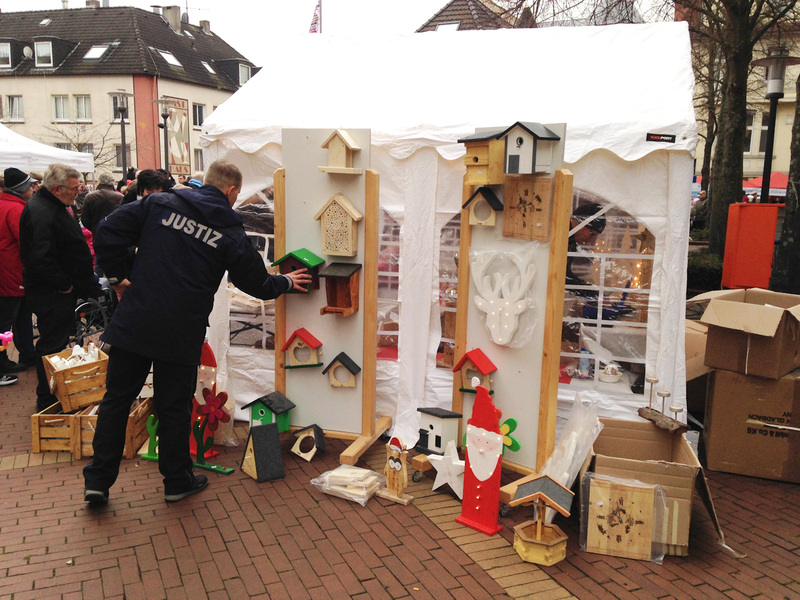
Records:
x=285, y=539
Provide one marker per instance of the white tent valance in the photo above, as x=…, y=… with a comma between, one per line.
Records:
x=29, y=155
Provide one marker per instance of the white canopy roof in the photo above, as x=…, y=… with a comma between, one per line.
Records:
x=29, y=155
x=430, y=89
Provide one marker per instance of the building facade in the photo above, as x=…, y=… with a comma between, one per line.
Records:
x=67, y=75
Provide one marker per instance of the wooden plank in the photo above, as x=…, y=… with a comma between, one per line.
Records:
x=353, y=452
x=279, y=225
x=369, y=377
x=526, y=213
x=554, y=312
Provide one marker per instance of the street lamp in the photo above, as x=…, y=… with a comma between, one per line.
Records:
x=776, y=62
x=122, y=108
x=164, y=102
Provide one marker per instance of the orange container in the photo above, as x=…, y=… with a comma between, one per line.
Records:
x=749, y=245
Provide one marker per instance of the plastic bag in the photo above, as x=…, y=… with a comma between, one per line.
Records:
x=350, y=483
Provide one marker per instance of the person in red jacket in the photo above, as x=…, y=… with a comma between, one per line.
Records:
x=14, y=312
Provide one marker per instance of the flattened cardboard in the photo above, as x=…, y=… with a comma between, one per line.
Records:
x=755, y=332
x=760, y=449
x=639, y=450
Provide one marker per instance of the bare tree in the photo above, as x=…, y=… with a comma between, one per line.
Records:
x=99, y=138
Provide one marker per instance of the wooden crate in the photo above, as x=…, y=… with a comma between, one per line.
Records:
x=135, y=434
x=76, y=387
x=52, y=430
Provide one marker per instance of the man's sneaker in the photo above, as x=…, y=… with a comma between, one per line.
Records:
x=8, y=379
x=95, y=497
x=198, y=483
x=16, y=367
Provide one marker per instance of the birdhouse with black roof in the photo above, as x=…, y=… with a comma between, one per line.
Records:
x=529, y=149
x=341, y=149
x=483, y=207
x=272, y=408
x=341, y=288
x=339, y=226
x=342, y=371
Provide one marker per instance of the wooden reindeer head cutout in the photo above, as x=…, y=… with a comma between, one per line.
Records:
x=502, y=281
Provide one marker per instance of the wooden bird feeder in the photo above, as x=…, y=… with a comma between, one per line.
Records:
x=341, y=147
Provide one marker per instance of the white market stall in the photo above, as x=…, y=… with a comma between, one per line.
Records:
x=625, y=94
x=29, y=155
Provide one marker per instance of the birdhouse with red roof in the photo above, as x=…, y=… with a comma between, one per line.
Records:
x=475, y=364
x=341, y=147
x=302, y=350
x=339, y=225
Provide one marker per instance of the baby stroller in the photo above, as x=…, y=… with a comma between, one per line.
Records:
x=92, y=315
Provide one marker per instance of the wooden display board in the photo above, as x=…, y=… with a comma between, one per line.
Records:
x=301, y=190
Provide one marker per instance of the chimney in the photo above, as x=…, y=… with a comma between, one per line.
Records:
x=172, y=15
x=206, y=26
x=92, y=3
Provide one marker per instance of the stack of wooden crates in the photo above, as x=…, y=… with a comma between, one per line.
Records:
x=69, y=425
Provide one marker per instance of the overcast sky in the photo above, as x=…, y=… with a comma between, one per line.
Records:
x=254, y=27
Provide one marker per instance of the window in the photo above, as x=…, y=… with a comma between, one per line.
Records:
x=170, y=58
x=448, y=26
x=448, y=290
x=15, y=108
x=244, y=74
x=115, y=109
x=83, y=108
x=199, y=114
x=45, y=22
x=44, y=54
x=208, y=67
x=5, y=56
x=762, y=139
x=388, y=285
x=61, y=108
x=118, y=155
x=748, y=135
x=63, y=146
x=85, y=148
x=96, y=52
x=198, y=161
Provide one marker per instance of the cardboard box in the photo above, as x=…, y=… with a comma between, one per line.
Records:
x=135, y=434
x=642, y=451
x=696, y=369
x=760, y=447
x=79, y=386
x=754, y=331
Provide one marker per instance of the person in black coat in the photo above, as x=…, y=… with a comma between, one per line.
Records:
x=57, y=266
x=187, y=239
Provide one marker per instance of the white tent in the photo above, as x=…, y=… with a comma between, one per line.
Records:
x=28, y=155
x=420, y=93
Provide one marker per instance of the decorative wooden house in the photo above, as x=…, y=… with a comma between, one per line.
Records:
x=299, y=259
x=341, y=147
x=437, y=426
x=536, y=541
x=302, y=350
x=484, y=158
x=272, y=408
x=310, y=437
x=262, y=458
x=339, y=224
x=342, y=371
x=341, y=288
x=475, y=364
x=483, y=207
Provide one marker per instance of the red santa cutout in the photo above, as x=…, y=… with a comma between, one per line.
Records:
x=481, y=500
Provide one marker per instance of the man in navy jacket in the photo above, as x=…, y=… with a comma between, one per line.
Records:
x=186, y=241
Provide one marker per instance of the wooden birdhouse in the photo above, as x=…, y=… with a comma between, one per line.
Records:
x=483, y=207
x=341, y=288
x=529, y=148
x=309, y=440
x=272, y=408
x=484, y=158
x=339, y=223
x=302, y=350
x=475, y=364
x=299, y=259
x=437, y=426
x=262, y=455
x=341, y=147
x=342, y=371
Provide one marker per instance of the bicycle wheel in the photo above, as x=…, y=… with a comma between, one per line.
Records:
x=90, y=318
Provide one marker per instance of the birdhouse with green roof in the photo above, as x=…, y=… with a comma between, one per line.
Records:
x=299, y=259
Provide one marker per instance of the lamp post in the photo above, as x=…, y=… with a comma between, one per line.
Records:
x=122, y=108
x=776, y=62
x=165, y=103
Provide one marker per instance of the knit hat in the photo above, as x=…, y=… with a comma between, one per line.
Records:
x=16, y=180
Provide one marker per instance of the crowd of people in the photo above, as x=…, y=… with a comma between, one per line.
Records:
x=164, y=247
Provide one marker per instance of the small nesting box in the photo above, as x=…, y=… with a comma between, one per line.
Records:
x=313, y=433
x=529, y=148
x=271, y=408
x=341, y=288
x=341, y=148
x=484, y=158
x=437, y=426
x=342, y=371
x=339, y=225
x=299, y=259
x=475, y=364
x=302, y=350
x=483, y=207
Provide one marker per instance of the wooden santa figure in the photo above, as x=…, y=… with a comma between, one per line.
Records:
x=481, y=500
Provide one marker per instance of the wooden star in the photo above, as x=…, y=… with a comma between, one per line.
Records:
x=449, y=469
